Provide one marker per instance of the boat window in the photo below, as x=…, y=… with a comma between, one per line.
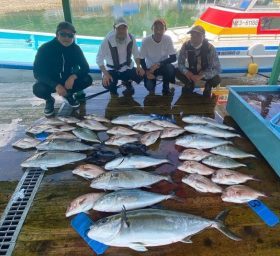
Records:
x=270, y=23
x=267, y=4
x=234, y=4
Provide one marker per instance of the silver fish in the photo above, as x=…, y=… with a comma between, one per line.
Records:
x=221, y=162
x=193, y=119
x=120, y=130
x=171, y=132
x=45, y=160
x=132, y=119
x=86, y=134
x=97, y=118
x=129, y=198
x=134, y=161
x=82, y=203
x=240, y=194
x=69, y=119
x=165, y=124
x=147, y=127
x=66, y=145
x=230, y=177
x=200, y=141
x=92, y=125
x=142, y=228
x=53, y=121
x=38, y=128
x=26, y=143
x=195, y=167
x=126, y=179
x=150, y=138
x=117, y=140
x=88, y=171
x=193, y=154
x=201, y=184
x=230, y=151
x=62, y=136
x=62, y=128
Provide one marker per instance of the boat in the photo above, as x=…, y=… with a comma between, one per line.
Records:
x=243, y=32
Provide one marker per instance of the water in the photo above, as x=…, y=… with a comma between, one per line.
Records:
x=265, y=103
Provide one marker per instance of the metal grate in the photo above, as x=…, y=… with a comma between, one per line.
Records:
x=17, y=209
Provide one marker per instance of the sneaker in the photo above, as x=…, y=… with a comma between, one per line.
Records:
x=74, y=103
x=49, y=108
x=129, y=91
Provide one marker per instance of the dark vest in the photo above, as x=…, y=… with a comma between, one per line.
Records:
x=115, y=55
x=192, y=57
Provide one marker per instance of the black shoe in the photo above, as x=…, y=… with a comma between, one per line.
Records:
x=114, y=93
x=73, y=103
x=49, y=108
x=188, y=89
x=129, y=91
x=80, y=96
x=168, y=91
x=207, y=91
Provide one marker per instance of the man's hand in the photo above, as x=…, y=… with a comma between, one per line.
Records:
x=154, y=67
x=70, y=82
x=140, y=71
x=197, y=78
x=150, y=75
x=107, y=78
x=61, y=91
x=189, y=75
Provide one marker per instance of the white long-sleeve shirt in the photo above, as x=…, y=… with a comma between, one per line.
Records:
x=104, y=56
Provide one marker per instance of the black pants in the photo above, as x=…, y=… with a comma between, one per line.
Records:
x=129, y=74
x=168, y=75
x=44, y=91
x=209, y=83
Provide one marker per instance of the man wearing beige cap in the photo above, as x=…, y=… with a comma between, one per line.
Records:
x=198, y=61
x=114, y=59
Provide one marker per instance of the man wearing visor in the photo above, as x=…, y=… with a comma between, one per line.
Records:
x=60, y=66
x=198, y=61
x=114, y=59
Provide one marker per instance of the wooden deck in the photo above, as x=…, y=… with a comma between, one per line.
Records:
x=47, y=231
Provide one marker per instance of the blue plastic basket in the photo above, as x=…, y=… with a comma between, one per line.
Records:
x=275, y=122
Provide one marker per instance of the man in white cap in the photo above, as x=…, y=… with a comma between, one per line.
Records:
x=198, y=61
x=116, y=51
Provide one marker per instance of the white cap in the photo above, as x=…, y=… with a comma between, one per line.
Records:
x=120, y=21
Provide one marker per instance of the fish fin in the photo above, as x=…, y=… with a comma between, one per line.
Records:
x=219, y=224
x=124, y=220
x=173, y=196
x=138, y=247
x=187, y=240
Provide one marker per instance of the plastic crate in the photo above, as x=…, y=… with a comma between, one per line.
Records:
x=275, y=122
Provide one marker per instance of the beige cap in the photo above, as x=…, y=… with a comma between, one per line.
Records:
x=199, y=29
x=120, y=21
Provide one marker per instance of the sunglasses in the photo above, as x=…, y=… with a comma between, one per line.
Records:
x=65, y=34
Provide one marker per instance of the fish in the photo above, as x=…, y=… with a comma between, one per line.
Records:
x=150, y=138
x=210, y=130
x=88, y=171
x=38, y=128
x=120, y=130
x=165, y=124
x=147, y=127
x=230, y=177
x=222, y=162
x=132, y=119
x=26, y=143
x=97, y=118
x=201, y=184
x=53, y=121
x=101, y=157
x=117, y=140
x=46, y=159
x=86, y=134
x=62, y=136
x=62, y=128
x=200, y=141
x=126, y=179
x=133, y=148
x=66, y=145
x=92, y=125
x=143, y=228
x=195, y=167
x=134, y=161
x=193, y=154
x=193, y=119
x=230, y=151
x=171, y=132
x=240, y=194
x=82, y=203
x=129, y=198
x=69, y=119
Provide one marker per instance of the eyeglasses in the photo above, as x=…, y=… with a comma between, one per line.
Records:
x=65, y=34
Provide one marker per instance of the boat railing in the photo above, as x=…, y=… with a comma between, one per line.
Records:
x=249, y=37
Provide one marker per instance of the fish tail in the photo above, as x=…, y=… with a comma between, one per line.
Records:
x=173, y=196
x=219, y=224
x=169, y=179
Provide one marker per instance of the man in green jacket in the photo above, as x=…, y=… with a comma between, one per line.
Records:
x=60, y=66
